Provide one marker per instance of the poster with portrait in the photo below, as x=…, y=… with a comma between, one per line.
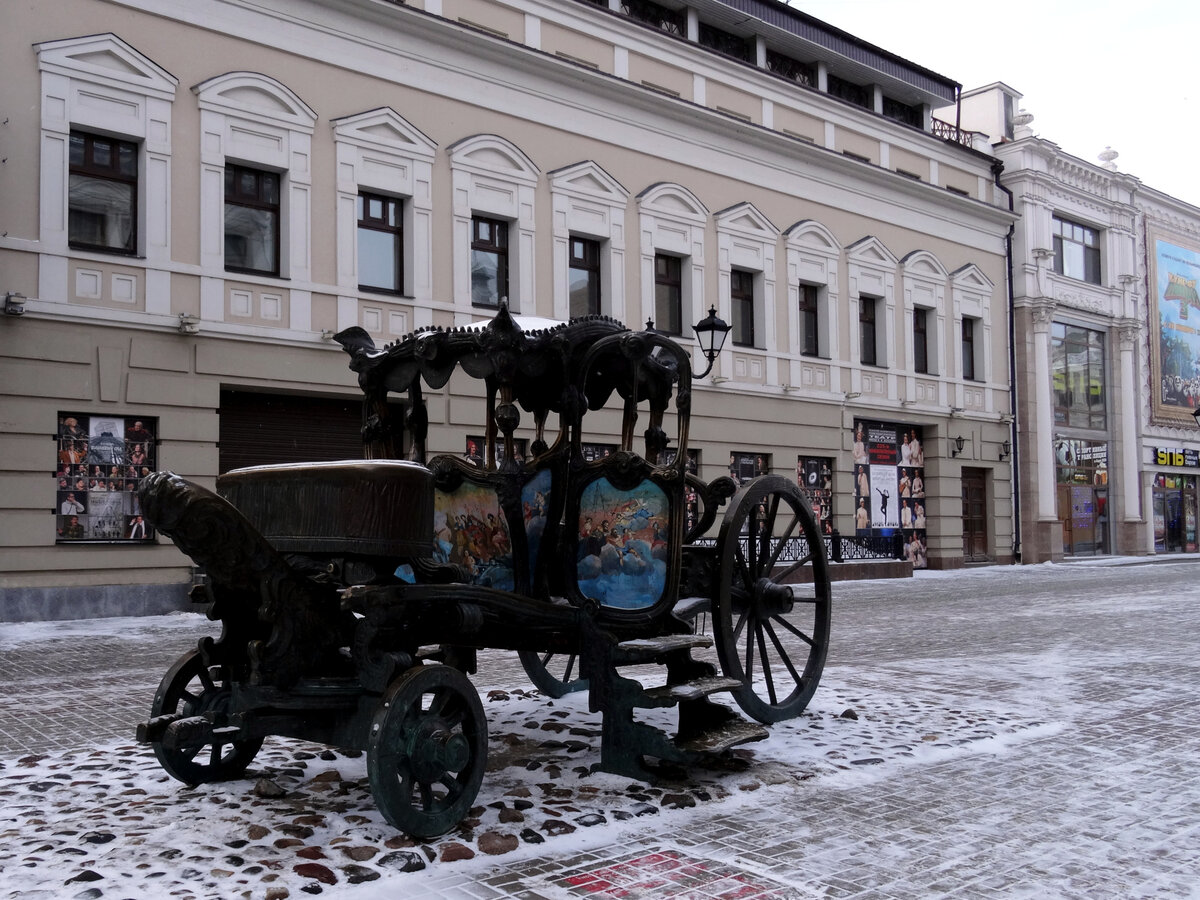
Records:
x=814, y=475
x=746, y=465
x=100, y=460
x=593, y=451
x=889, y=484
x=691, y=501
x=475, y=448
x=1175, y=327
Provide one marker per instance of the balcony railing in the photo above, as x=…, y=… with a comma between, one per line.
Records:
x=950, y=132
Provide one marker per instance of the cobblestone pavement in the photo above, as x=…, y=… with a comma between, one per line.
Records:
x=1022, y=732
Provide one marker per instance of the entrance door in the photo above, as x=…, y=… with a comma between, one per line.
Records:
x=974, y=504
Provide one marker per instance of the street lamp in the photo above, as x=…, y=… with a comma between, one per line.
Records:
x=1196, y=415
x=711, y=333
x=958, y=446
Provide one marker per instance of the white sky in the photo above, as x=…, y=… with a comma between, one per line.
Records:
x=1103, y=73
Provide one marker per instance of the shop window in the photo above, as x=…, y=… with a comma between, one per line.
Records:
x=103, y=197
x=1078, y=370
x=251, y=220
x=1076, y=250
x=100, y=461
x=380, y=243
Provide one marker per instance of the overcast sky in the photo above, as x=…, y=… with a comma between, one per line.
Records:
x=1103, y=73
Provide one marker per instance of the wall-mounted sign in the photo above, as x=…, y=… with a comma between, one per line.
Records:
x=1183, y=457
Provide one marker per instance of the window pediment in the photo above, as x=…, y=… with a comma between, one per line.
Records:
x=813, y=235
x=970, y=278
x=747, y=220
x=590, y=180
x=488, y=153
x=384, y=128
x=106, y=58
x=871, y=251
x=252, y=94
x=672, y=200
x=923, y=264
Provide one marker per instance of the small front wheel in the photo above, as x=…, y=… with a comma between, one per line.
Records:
x=428, y=750
x=192, y=689
x=771, y=600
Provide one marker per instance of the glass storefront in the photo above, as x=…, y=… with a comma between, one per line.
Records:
x=1174, y=513
x=1081, y=470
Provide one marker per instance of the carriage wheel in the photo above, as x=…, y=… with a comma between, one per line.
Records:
x=190, y=688
x=554, y=674
x=770, y=634
x=428, y=750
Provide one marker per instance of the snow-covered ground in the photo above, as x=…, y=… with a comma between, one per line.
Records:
x=1015, y=732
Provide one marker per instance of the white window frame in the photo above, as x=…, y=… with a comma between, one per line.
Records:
x=587, y=202
x=253, y=120
x=492, y=178
x=381, y=152
x=871, y=272
x=747, y=240
x=971, y=297
x=812, y=254
x=673, y=221
x=924, y=277
x=101, y=84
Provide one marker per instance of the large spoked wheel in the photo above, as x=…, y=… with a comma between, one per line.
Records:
x=772, y=599
x=428, y=750
x=554, y=674
x=190, y=688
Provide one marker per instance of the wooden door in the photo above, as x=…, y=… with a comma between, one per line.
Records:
x=974, y=505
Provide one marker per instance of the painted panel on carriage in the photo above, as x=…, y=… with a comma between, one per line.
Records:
x=622, y=559
x=470, y=530
x=535, y=504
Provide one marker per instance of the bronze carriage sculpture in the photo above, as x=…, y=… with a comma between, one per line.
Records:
x=354, y=595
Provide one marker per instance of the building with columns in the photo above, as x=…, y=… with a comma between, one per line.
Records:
x=1104, y=274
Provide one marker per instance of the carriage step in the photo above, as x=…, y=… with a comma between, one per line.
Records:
x=723, y=737
x=670, y=694
x=650, y=649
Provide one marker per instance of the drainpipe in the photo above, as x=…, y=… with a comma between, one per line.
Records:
x=1015, y=456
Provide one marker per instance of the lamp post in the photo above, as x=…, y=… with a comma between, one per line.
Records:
x=711, y=333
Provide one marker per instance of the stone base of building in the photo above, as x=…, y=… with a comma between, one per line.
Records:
x=1042, y=542
x=48, y=604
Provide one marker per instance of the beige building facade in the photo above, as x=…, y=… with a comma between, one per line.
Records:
x=199, y=197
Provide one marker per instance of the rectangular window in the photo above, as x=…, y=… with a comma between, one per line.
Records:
x=1076, y=250
x=921, y=340
x=810, y=343
x=741, y=295
x=866, y=331
x=251, y=220
x=489, y=261
x=968, y=349
x=380, y=243
x=668, y=294
x=583, y=276
x=1077, y=358
x=102, y=195
x=726, y=42
x=100, y=461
